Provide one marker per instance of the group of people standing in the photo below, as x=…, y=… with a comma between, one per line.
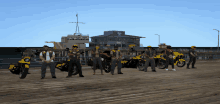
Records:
x=168, y=54
x=115, y=56
x=48, y=56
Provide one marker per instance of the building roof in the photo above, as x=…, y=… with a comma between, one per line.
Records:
x=75, y=34
x=119, y=34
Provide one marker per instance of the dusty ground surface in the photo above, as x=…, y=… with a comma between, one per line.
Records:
x=185, y=86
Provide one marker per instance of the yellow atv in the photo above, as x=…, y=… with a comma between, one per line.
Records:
x=160, y=61
x=21, y=67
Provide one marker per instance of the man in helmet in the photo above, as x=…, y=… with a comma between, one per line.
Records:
x=149, y=57
x=192, y=55
x=131, y=49
x=169, y=57
x=97, y=59
x=116, y=58
x=74, y=56
x=47, y=58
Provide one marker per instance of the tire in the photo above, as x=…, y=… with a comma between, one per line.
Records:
x=107, y=68
x=75, y=70
x=179, y=64
x=141, y=65
x=161, y=64
x=23, y=72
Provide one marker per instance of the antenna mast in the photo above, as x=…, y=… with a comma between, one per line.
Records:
x=77, y=24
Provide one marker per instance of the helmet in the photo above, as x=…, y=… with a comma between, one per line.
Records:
x=193, y=47
x=97, y=47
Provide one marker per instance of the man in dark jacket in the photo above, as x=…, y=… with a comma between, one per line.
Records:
x=169, y=57
x=149, y=57
x=47, y=58
x=74, y=56
x=192, y=55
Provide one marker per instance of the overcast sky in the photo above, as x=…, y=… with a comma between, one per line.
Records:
x=180, y=23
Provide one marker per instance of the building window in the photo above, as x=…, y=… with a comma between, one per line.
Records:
x=95, y=40
x=64, y=45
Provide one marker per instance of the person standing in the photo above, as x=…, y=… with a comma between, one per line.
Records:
x=116, y=59
x=74, y=56
x=149, y=57
x=192, y=55
x=169, y=57
x=97, y=59
x=47, y=58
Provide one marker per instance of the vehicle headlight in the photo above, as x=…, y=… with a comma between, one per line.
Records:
x=102, y=59
x=26, y=60
x=173, y=56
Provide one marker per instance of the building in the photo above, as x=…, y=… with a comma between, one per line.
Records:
x=115, y=38
x=68, y=41
x=76, y=38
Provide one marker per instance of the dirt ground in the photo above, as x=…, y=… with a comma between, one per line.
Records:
x=184, y=86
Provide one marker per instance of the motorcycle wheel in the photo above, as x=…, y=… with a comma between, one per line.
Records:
x=181, y=64
x=141, y=65
x=23, y=72
x=161, y=65
x=107, y=68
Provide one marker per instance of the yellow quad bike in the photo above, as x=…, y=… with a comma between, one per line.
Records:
x=21, y=68
x=160, y=61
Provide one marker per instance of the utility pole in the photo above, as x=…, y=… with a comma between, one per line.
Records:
x=159, y=38
x=218, y=39
x=77, y=23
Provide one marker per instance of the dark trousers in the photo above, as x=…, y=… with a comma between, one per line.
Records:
x=168, y=61
x=113, y=64
x=151, y=61
x=72, y=63
x=97, y=60
x=44, y=67
x=193, y=60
